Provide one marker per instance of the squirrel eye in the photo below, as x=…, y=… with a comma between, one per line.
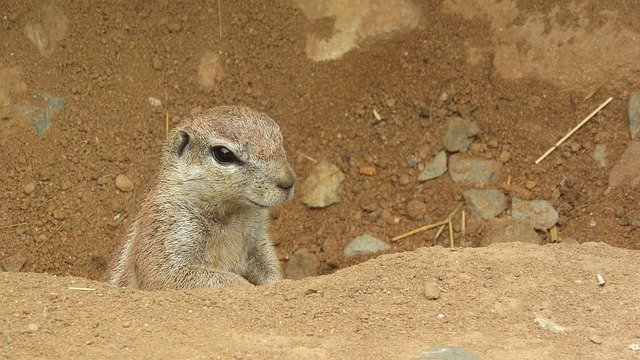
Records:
x=224, y=155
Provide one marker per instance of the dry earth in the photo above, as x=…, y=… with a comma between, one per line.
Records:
x=85, y=88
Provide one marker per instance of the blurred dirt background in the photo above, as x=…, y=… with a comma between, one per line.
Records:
x=86, y=87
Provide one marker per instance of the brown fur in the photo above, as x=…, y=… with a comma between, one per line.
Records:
x=204, y=224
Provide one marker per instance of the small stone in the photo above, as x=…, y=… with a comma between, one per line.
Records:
x=431, y=291
x=322, y=186
x=30, y=328
x=600, y=155
x=302, y=263
x=596, y=339
x=627, y=170
x=448, y=353
x=124, y=184
x=530, y=185
x=539, y=213
x=435, y=168
x=634, y=114
x=416, y=209
x=460, y=134
x=424, y=113
x=404, y=179
x=444, y=97
x=549, y=325
x=390, y=102
x=367, y=170
x=486, y=203
x=575, y=147
x=504, y=156
x=508, y=229
x=473, y=171
x=102, y=180
x=29, y=187
x=58, y=214
x=7, y=339
x=365, y=244
x=157, y=63
x=14, y=263
x=412, y=161
x=424, y=152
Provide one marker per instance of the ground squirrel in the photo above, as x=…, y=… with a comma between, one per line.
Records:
x=204, y=223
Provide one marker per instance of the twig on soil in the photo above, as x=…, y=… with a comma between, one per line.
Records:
x=442, y=223
x=451, y=233
x=80, y=288
x=573, y=130
x=166, y=124
x=308, y=157
x=220, y=19
x=420, y=229
x=463, y=222
x=12, y=226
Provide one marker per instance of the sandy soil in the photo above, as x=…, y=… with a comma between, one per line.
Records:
x=525, y=71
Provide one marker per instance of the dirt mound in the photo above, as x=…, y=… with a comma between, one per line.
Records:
x=488, y=301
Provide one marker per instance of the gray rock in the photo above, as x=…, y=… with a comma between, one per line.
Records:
x=600, y=155
x=124, y=184
x=14, y=263
x=460, y=134
x=539, y=213
x=486, y=203
x=508, y=229
x=322, y=187
x=436, y=167
x=634, y=115
x=302, y=263
x=627, y=169
x=432, y=291
x=473, y=171
x=448, y=353
x=365, y=244
x=549, y=325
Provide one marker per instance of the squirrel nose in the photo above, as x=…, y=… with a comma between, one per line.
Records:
x=286, y=178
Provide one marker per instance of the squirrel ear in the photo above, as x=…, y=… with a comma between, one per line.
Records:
x=181, y=143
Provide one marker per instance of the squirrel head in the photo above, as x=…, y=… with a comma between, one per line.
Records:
x=228, y=155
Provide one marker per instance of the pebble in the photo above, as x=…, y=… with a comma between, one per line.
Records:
x=634, y=114
x=367, y=170
x=365, y=244
x=30, y=328
x=416, y=209
x=549, y=325
x=14, y=263
x=486, y=203
x=302, y=263
x=431, y=291
x=58, y=214
x=460, y=134
x=508, y=229
x=435, y=168
x=596, y=339
x=29, y=187
x=473, y=171
x=627, y=169
x=424, y=113
x=404, y=179
x=504, y=156
x=322, y=186
x=530, y=185
x=448, y=353
x=157, y=63
x=539, y=213
x=123, y=183
x=600, y=155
